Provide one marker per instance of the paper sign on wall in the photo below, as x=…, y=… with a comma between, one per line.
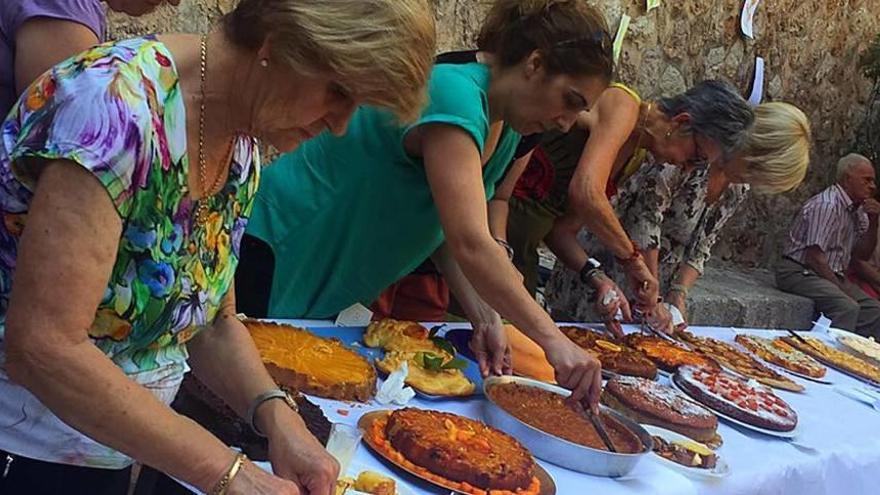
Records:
x=757, y=83
x=652, y=4
x=747, y=19
x=618, y=38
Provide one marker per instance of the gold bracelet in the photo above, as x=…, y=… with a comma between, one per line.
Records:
x=223, y=485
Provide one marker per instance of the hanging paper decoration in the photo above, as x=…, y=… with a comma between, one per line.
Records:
x=757, y=83
x=652, y=4
x=747, y=19
x=618, y=38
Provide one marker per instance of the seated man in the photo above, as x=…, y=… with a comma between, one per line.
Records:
x=834, y=226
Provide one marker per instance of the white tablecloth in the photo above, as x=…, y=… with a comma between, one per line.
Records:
x=844, y=432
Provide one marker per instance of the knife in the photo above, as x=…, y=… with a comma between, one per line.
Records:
x=597, y=424
x=804, y=341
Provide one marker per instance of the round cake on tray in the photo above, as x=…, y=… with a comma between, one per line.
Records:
x=462, y=450
x=649, y=402
x=748, y=402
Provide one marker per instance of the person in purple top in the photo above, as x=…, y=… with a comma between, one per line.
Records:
x=37, y=34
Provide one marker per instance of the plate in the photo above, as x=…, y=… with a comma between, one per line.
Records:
x=721, y=469
x=839, y=336
x=352, y=337
x=548, y=486
x=790, y=435
x=559, y=451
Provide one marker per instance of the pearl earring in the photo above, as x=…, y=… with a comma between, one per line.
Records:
x=264, y=62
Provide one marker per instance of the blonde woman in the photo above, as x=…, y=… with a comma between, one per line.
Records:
x=128, y=174
x=677, y=212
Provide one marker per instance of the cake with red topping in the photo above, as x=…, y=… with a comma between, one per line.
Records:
x=748, y=402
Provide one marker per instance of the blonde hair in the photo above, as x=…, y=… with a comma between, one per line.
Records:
x=778, y=147
x=381, y=51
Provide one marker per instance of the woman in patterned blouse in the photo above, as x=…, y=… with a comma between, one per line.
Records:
x=127, y=175
x=676, y=213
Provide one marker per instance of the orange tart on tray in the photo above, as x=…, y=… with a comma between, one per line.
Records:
x=781, y=354
x=668, y=355
x=301, y=360
x=455, y=451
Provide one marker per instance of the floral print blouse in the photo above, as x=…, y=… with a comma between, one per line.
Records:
x=117, y=111
x=661, y=207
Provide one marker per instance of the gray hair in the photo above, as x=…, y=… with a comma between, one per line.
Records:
x=849, y=161
x=717, y=112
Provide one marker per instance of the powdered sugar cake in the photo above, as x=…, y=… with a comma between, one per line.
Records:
x=649, y=402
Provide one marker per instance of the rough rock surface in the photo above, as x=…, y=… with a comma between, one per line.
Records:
x=811, y=49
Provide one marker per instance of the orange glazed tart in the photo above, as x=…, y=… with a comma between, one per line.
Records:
x=299, y=359
x=455, y=451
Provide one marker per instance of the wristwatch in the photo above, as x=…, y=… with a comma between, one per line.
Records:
x=591, y=269
x=276, y=393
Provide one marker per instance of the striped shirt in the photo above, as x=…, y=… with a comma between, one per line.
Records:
x=830, y=221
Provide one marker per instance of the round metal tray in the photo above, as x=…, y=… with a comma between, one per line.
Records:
x=557, y=450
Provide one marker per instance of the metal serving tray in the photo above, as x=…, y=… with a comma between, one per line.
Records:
x=557, y=450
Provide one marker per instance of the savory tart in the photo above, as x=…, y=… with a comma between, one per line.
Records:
x=614, y=356
x=648, y=402
x=303, y=361
x=433, y=368
x=687, y=455
x=781, y=354
x=548, y=412
x=734, y=397
x=668, y=355
x=740, y=362
x=435, y=380
x=836, y=358
x=456, y=451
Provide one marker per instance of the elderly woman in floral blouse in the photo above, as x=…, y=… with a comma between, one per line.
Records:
x=127, y=176
x=676, y=213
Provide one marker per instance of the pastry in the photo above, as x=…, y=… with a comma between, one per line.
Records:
x=300, y=360
x=547, y=411
x=736, y=398
x=648, y=402
x=781, y=354
x=865, y=346
x=614, y=356
x=468, y=455
x=433, y=368
x=836, y=358
x=447, y=382
x=667, y=355
x=740, y=362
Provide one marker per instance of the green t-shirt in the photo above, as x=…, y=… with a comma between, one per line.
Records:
x=347, y=216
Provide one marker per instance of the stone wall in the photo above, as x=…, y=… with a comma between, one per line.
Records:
x=811, y=49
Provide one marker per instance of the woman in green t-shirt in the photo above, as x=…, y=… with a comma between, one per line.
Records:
x=344, y=216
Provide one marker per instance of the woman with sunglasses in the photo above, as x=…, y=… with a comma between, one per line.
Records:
x=676, y=213
x=569, y=180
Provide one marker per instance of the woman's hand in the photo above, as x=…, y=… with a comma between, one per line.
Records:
x=251, y=480
x=491, y=347
x=576, y=370
x=610, y=299
x=294, y=452
x=678, y=299
x=643, y=283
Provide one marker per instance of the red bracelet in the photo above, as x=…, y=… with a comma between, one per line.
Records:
x=635, y=256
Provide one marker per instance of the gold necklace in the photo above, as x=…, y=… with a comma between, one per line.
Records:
x=202, y=208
